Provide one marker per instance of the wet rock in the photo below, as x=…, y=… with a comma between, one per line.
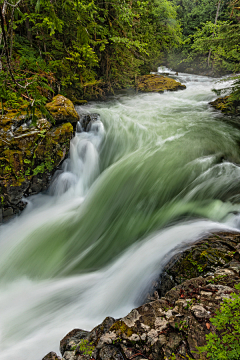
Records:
x=7, y=214
x=72, y=339
x=201, y=260
x=15, y=193
x=62, y=110
x=98, y=331
x=51, y=356
x=86, y=120
x=158, y=83
x=69, y=355
x=199, y=311
x=110, y=353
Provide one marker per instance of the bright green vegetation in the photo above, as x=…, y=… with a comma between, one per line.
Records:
x=225, y=344
x=85, y=348
x=80, y=48
x=210, y=36
x=210, y=43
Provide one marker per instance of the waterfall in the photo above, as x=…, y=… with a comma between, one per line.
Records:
x=155, y=173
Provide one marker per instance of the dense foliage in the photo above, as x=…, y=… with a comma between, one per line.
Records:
x=82, y=48
x=192, y=14
x=211, y=37
x=211, y=43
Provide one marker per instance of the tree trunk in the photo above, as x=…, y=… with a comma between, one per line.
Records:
x=213, y=34
x=29, y=32
x=3, y=15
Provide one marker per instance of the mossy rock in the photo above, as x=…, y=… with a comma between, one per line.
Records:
x=158, y=83
x=35, y=152
x=226, y=106
x=121, y=328
x=29, y=156
x=220, y=103
x=16, y=117
x=31, y=151
x=62, y=110
x=79, y=102
x=199, y=260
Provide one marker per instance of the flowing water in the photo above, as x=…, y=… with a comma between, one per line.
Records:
x=158, y=172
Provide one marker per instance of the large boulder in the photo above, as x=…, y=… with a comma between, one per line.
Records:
x=62, y=110
x=158, y=83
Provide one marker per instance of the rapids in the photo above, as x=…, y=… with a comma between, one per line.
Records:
x=158, y=172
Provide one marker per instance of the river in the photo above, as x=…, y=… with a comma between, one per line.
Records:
x=158, y=172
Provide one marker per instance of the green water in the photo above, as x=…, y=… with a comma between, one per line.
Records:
x=163, y=171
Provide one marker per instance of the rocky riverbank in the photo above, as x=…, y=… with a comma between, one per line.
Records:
x=194, y=284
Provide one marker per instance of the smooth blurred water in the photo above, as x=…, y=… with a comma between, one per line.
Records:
x=155, y=174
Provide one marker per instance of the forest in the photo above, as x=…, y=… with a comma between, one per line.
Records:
x=89, y=48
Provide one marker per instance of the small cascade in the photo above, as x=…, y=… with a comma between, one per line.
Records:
x=82, y=167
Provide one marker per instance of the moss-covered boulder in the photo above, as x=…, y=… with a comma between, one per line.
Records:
x=62, y=110
x=29, y=154
x=226, y=105
x=158, y=83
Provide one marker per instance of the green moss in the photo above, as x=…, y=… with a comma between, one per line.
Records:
x=12, y=116
x=78, y=101
x=39, y=169
x=32, y=151
x=226, y=105
x=199, y=260
x=14, y=160
x=62, y=109
x=156, y=83
x=121, y=328
x=85, y=348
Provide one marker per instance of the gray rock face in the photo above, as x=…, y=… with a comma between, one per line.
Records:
x=174, y=324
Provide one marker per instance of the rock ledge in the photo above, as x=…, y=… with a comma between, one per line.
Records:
x=174, y=325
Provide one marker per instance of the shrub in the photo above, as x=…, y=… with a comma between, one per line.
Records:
x=225, y=343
